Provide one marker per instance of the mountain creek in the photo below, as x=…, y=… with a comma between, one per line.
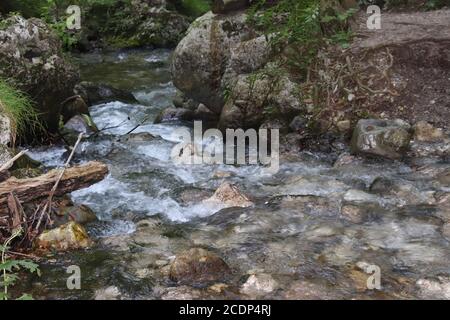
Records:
x=313, y=230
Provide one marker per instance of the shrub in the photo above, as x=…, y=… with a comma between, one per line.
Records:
x=304, y=26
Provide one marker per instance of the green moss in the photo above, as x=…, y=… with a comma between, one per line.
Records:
x=20, y=109
x=120, y=42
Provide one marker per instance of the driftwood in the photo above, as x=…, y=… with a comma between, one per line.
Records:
x=28, y=190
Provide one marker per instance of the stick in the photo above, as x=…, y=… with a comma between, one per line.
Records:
x=138, y=125
x=9, y=163
x=48, y=205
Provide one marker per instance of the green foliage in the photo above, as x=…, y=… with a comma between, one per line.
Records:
x=11, y=268
x=19, y=108
x=437, y=4
x=193, y=8
x=303, y=25
x=27, y=8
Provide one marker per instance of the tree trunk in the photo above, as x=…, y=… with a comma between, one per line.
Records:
x=75, y=178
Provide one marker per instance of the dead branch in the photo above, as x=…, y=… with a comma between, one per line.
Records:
x=74, y=178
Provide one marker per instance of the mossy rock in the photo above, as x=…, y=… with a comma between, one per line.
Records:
x=69, y=236
x=26, y=173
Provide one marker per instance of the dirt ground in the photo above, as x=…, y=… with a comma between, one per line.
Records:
x=400, y=71
x=419, y=46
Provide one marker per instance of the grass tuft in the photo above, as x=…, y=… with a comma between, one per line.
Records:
x=20, y=109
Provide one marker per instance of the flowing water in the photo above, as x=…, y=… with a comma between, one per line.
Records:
x=151, y=209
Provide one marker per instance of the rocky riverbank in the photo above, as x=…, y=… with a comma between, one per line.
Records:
x=364, y=164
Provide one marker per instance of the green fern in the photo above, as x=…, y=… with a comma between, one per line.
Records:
x=10, y=269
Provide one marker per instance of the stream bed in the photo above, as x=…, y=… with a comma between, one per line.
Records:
x=314, y=228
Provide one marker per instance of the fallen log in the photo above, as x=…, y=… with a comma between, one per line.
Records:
x=74, y=178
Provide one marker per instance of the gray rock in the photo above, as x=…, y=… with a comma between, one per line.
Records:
x=81, y=124
x=5, y=129
x=99, y=93
x=201, y=58
x=162, y=29
x=446, y=231
x=253, y=100
x=31, y=55
x=109, y=293
x=6, y=154
x=385, y=138
x=298, y=123
x=174, y=114
x=76, y=105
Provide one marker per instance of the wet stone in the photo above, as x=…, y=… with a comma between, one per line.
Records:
x=259, y=284
x=198, y=266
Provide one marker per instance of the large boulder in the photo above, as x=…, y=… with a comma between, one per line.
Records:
x=198, y=266
x=257, y=97
x=385, y=138
x=162, y=28
x=123, y=24
x=31, y=55
x=202, y=57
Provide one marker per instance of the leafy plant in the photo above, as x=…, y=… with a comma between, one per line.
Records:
x=10, y=268
x=303, y=25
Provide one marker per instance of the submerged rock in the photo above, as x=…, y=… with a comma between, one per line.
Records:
x=66, y=237
x=94, y=93
x=228, y=196
x=109, y=293
x=305, y=290
x=80, y=124
x=446, y=231
x=434, y=288
x=181, y=293
x=174, y=114
x=259, y=284
x=140, y=137
x=198, y=266
x=346, y=159
x=385, y=138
